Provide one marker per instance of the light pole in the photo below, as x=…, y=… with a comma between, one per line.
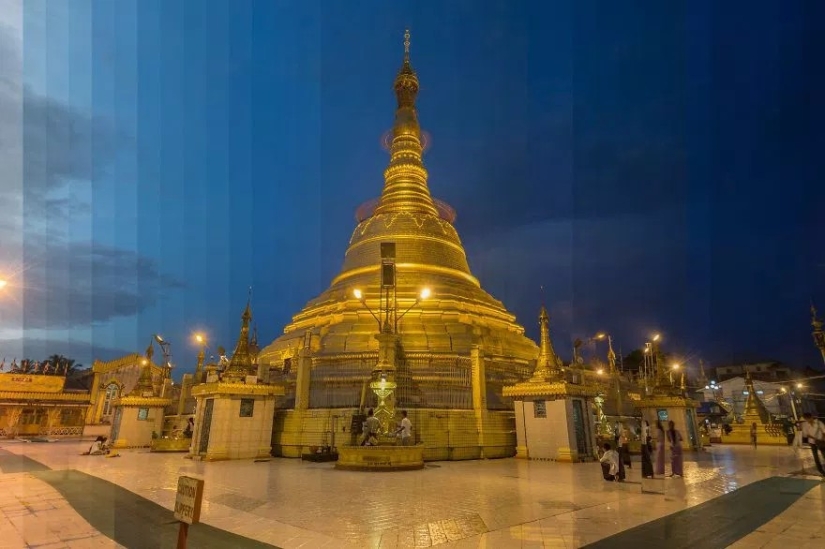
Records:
x=791, y=397
x=167, y=366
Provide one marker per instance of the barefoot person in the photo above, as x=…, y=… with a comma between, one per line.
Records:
x=674, y=438
x=813, y=435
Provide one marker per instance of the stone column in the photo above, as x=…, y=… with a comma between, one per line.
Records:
x=479, y=380
x=90, y=417
x=14, y=418
x=302, y=380
x=52, y=416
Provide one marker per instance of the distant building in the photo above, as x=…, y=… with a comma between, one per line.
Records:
x=763, y=371
x=775, y=396
x=36, y=401
x=113, y=379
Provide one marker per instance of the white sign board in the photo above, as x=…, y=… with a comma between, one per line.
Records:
x=188, y=500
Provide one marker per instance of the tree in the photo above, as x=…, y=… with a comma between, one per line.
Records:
x=70, y=365
x=634, y=361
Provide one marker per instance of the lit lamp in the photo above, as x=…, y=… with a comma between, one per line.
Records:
x=201, y=340
x=674, y=368
x=3, y=283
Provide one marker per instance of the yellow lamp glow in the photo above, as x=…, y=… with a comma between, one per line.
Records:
x=3, y=283
x=425, y=293
x=357, y=293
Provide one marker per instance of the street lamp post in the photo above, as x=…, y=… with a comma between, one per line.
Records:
x=167, y=366
x=792, y=398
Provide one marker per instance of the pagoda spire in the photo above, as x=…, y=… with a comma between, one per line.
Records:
x=754, y=407
x=240, y=365
x=405, y=179
x=611, y=355
x=548, y=363
x=144, y=387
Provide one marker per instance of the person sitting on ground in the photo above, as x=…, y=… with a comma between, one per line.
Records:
x=610, y=464
x=98, y=447
x=190, y=427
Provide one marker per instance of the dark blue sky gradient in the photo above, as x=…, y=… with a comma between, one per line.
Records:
x=656, y=166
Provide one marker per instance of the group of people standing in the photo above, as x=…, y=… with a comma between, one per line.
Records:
x=613, y=462
x=371, y=428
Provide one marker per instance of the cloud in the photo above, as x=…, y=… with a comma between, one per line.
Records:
x=46, y=146
x=51, y=154
x=74, y=284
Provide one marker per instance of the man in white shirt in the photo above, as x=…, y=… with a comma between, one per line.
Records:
x=405, y=430
x=611, y=464
x=813, y=434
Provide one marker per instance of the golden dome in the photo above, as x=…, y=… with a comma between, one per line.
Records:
x=429, y=253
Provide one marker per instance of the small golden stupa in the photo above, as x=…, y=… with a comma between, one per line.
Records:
x=459, y=331
x=767, y=432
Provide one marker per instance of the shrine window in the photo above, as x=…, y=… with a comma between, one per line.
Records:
x=112, y=392
x=539, y=409
x=143, y=414
x=247, y=407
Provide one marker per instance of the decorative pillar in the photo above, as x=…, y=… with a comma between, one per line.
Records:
x=479, y=380
x=95, y=396
x=52, y=416
x=302, y=380
x=383, y=380
x=13, y=419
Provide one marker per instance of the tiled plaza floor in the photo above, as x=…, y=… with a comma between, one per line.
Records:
x=479, y=504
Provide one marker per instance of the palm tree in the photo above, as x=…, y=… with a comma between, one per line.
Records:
x=65, y=362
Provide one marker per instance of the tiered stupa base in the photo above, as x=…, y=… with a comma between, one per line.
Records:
x=770, y=434
x=443, y=434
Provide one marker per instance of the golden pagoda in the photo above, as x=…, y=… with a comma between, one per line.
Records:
x=767, y=432
x=453, y=351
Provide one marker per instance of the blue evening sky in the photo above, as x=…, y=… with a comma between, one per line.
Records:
x=656, y=166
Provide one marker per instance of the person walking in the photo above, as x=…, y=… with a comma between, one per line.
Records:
x=753, y=435
x=674, y=438
x=647, y=464
x=659, y=468
x=813, y=434
x=624, y=447
x=371, y=427
x=405, y=429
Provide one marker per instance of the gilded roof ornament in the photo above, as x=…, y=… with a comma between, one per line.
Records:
x=548, y=364
x=240, y=365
